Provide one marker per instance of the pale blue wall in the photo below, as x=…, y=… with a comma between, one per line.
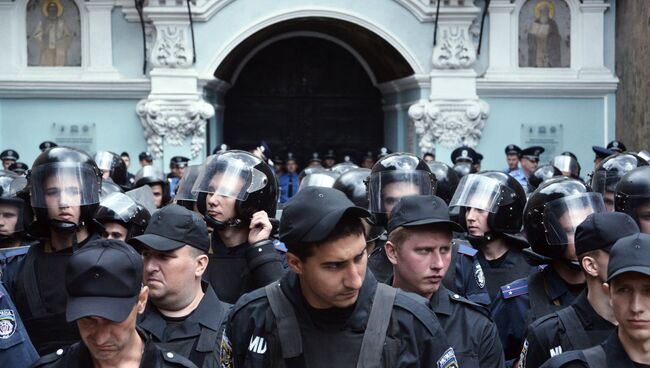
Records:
x=127, y=45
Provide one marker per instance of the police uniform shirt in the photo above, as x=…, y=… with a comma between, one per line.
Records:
x=469, y=330
x=615, y=356
x=414, y=337
x=288, y=186
x=513, y=265
x=241, y=269
x=16, y=349
x=77, y=355
x=518, y=174
x=196, y=336
x=547, y=336
x=525, y=300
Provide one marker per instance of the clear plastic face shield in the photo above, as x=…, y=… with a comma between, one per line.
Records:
x=11, y=207
x=230, y=175
x=64, y=184
x=566, y=164
x=143, y=196
x=105, y=161
x=150, y=172
x=385, y=188
x=477, y=191
x=123, y=206
x=562, y=216
x=319, y=179
x=184, y=192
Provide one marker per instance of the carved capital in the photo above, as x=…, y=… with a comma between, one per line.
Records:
x=455, y=49
x=173, y=122
x=450, y=124
x=172, y=47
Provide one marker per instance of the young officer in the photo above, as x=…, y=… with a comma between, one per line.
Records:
x=589, y=319
x=328, y=311
x=628, y=282
x=419, y=247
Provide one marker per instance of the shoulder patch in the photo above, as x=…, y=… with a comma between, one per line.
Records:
x=456, y=298
x=515, y=288
x=279, y=246
x=7, y=323
x=522, y=356
x=448, y=359
x=464, y=248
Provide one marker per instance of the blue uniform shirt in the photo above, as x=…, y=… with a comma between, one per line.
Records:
x=519, y=175
x=288, y=181
x=16, y=349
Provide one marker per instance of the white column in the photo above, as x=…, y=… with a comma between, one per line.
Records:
x=593, y=34
x=501, y=41
x=100, y=33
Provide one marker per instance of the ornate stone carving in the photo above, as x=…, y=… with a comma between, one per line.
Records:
x=454, y=49
x=450, y=124
x=174, y=121
x=172, y=48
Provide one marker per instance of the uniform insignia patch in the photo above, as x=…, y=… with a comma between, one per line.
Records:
x=479, y=276
x=448, y=359
x=226, y=352
x=7, y=323
x=522, y=356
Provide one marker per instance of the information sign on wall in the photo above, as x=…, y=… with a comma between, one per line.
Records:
x=76, y=135
x=548, y=136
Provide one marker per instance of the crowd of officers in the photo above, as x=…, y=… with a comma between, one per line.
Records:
x=244, y=262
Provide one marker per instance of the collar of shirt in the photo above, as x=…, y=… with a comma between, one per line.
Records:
x=440, y=303
x=556, y=287
x=588, y=316
x=149, y=356
x=616, y=353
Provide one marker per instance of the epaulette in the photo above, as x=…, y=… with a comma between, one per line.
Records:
x=177, y=359
x=49, y=358
x=467, y=250
x=279, y=246
x=13, y=252
x=515, y=288
x=457, y=298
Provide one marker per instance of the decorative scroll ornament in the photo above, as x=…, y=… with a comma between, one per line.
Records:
x=172, y=48
x=449, y=124
x=454, y=49
x=174, y=121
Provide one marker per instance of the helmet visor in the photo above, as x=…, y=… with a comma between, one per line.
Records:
x=605, y=181
x=385, y=188
x=231, y=176
x=566, y=164
x=184, y=192
x=64, y=184
x=143, y=196
x=104, y=160
x=320, y=179
x=151, y=172
x=122, y=206
x=477, y=191
x=563, y=215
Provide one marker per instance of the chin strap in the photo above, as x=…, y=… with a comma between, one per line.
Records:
x=574, y=265
x=478, y=241
x=66, y=228
x=220, y=225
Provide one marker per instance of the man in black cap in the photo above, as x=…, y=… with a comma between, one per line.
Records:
x=8, y=157
x=589, y=319
x=177, y=165
x=513, y=154
x=183, y=314
x=315, y=160
x=105, y=296
x=127, y=161
x=463, y=154
x=145, y=158
x=368, y=160
x=477, y=163
x=628, y=281
x=328, y=311
x=288, y=181
x=419, y=247
x=530, y=159
x=44, y=146
x=19, y=168
x=613, y=147
x=329, y=159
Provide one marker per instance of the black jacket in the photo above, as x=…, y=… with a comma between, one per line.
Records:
x=198, y=337
x=615, y=356
x=414, y=337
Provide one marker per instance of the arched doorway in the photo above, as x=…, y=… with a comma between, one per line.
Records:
x=304, y=95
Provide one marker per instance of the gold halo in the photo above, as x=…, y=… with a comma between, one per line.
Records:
x=59, y=7
x=538, y=8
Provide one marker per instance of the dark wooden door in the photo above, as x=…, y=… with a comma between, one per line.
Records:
x=303, y=95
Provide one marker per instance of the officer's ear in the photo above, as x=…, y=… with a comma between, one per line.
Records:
x=606, y=289
x=201, y=264
x=294, y=262
x=391, y=252
x=589, y=265
x=142, y=299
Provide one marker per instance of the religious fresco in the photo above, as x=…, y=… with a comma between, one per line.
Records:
x=545, y=34
x=53, y=33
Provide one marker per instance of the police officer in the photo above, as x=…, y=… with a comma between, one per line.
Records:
x=145, y=158
x=329, y=159
x=477, y=163
x=628, y=277
x=16, y=350
x=130, y=178
x=633, y=196
x=8, y=157
x=64, y=186
x=513, y=154
x=567, y=163
x=237, y=193
x=113, y=167
x=184, y=195
x=540, y=175
x=20, y=168
x=177, y=165
x=12, y=209
x=105, y=295
x=315, y=161
x=368, y=160
x=46, y=145
x=419, y=247
x=121, y=217
x=589, y=319
x=551, y=215
x=428, y=157
x=183, y=314
x=613, y=147
x=530, y=159
x=288, y=181
x=463, y=159
x=446, y=180
x=610, y=171
x=153, y=177
x=328, y=311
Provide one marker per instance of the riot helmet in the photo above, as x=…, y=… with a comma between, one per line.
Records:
x=610, y=171
x=152, y=176
x=553, y=213
x=112, y=166
x=541, y=174
x=567, y=164
x=184, y=196
x=242, y=177
x=463, y=169
x=446, y=178
x=64, y=185
x=321, y=178
x=108, y=187
x=12, y=207
x=123, y=210
x=393, y=177
x=352, y=184
x=344, y=167
x=633, y=196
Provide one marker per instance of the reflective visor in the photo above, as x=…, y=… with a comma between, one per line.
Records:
x=477, y=191
x=64, y=184
x=565, y=164
x=319, y=179
x=562, y=216
x=184, y=192
x=104, y=160
x=229, y=177
x=385, y=188
x=121, y=204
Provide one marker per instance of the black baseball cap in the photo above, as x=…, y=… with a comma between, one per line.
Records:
x=103, y=279
x=421, y=210
x=602, y=230
x=145, y=156
x=629, y=254
x=311, y=215
x=173, y=227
